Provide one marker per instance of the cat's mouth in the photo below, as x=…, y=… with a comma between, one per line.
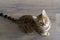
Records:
x=46, y=27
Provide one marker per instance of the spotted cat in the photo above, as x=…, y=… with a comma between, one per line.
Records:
x=28, y=23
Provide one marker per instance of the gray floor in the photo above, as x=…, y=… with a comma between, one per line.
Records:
x=17, y=8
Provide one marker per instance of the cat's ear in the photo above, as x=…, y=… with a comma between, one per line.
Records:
x=34, y=17
x=43, y=12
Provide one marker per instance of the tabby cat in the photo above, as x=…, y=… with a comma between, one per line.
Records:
x=29, y=23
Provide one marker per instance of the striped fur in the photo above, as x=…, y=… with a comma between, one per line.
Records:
x=29, y=23
x=8, y=17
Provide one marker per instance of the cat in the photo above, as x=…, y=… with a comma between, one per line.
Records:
x=29, y=23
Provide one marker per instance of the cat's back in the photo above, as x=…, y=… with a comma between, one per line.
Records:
x=26, y=19
x=26, y=23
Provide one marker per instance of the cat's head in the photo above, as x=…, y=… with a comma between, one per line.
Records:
x=42, y=18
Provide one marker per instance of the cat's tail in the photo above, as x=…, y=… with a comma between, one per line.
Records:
x=8, y=17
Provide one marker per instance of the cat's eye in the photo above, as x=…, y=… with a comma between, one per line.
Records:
x=40, y=24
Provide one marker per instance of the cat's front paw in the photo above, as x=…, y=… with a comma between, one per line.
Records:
x=45, y=34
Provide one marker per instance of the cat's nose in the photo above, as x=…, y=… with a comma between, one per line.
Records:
x=42, y=24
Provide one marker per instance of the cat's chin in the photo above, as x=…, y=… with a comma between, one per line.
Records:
x=46, y=34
